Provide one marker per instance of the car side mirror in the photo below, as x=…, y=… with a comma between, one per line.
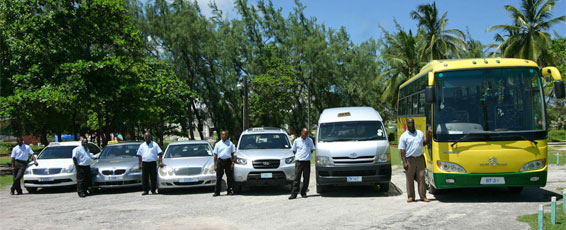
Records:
x=429, y=94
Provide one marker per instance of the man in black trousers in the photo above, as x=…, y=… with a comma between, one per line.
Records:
x=302, y=148
x=20, y=155
x=82, y=158
x=224, y=163
x=148, y=153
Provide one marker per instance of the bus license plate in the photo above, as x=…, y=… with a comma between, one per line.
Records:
x=266, y=175
x=492, y=180
x=45, y=179
x=188, y=180
x=111, y=178
x=354, y=179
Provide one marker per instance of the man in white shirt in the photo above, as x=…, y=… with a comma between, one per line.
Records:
x=410, y=146
x=20, y=155
x=82, y=158
x=302, y=148
x=148, y=153
x=224, y=163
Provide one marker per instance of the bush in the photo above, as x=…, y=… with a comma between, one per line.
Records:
x=557, y=135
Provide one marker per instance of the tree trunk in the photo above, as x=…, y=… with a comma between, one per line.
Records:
x=161, y=129
x=43, y=137
x=190, y=116
x=199, y=121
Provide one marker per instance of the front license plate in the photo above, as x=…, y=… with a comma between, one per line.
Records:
x=45, y=179
x=267, y=175
x=354, y=179
x=114, y=178
x=492, y=180
x=188, y=180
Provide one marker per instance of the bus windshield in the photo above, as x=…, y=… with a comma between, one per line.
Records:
x=351, y=131
x=493, y=103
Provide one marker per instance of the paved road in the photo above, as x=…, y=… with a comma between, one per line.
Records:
x=268, y=208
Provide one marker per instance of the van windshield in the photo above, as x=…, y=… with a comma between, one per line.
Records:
x=351, y=131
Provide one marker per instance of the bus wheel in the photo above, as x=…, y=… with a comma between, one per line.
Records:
x=515, y=189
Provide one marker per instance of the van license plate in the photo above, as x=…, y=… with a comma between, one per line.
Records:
x=266, y=175
x=45, y=179
x=188, y=180
x=354, y=179
x=492, y=180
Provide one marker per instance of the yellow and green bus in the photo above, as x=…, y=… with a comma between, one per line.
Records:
x=488, y=121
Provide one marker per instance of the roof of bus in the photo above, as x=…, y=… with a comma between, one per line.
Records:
x=349, y=114
x=471, y=63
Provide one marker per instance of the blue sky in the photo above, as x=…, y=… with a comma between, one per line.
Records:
x=362, y=17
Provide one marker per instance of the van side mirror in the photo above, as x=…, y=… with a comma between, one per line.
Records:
x=391, y=137
x=429, y=94
x=559, y=89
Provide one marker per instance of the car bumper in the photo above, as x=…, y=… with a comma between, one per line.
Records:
x=338, y=175
x=121, y=181
x=519, y=179
x=251, y=176
x=49, y=181
x=186, y=181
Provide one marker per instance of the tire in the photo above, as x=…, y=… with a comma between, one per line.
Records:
x=515, y=190
x=321, y=189
x=384, y=187
x=31, y=189
x=92, y=190
x=161, y=191
x=238, y=188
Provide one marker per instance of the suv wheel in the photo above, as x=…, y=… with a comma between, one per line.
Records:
x=321, y=188
x=31, y=189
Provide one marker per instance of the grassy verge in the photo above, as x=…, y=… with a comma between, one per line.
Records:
x=556, y=135
x=532, y=219
x=5, y=181
x=552, y=156
x=5, y=160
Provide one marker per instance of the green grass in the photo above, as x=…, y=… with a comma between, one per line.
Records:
x=557, y=135
x=532, y=219
x=552, y=156
x=5, y=181
x=5, y=160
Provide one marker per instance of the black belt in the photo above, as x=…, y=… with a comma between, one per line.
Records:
x=415, y=157
x=227, y=159
x=22, y=161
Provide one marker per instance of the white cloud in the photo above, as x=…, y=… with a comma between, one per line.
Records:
x=226, y=6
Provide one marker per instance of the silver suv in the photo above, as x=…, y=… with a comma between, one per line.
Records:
x=263, y=157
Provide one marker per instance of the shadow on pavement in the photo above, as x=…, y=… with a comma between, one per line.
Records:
x=188, y=191
x=265, y=190
x=361, y=191
x=56, y=190
x=118, y=190
x=491, y=195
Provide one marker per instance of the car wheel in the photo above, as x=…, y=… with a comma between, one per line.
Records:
x=93, y=190
x=161, y=191
x=515, y=190
x=238, y=188
x=31, y=189
x=384, y=187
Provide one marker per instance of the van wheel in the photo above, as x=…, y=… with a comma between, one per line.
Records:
x=31, y=189
x=384, y=187
x=321, y=189
x=515, y=190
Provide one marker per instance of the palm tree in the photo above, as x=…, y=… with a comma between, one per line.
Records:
x=400, y=53
x=526, y=37
x=441, y=43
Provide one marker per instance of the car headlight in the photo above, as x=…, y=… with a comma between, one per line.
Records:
x=93, y=171
x=450, y=167
x=69, y=169
x=241, y=161
x=209, y=169
x=166, y=172
x=28, y=171
x=324, y=161
x=290, y=160
x=135, y=169
x=533, y=165
x=382, y=157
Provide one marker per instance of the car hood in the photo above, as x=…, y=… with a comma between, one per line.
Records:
x=187, y=162
x=116, y=163
x=52, y=163
x=346, y=148
x=265, y=153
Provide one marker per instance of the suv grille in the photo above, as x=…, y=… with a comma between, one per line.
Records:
x=266, y=164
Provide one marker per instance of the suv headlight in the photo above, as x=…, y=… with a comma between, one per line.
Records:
x=69, y=169
x=241, y=161
x=290, y=160
x=450, y=167
x=166, y=171
x=324, y=161
x=533, y=165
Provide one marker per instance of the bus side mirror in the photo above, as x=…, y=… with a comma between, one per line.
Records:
x=559, y=89
x=429, y=94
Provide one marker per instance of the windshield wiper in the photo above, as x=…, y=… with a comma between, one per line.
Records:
x=338, y=139
x=462, y=138
x=523, y=137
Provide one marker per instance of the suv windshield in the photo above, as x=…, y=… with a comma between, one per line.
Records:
x=264, y=141
x=57, y=152
x=351, y=131
x=489, y=103
x=188, y=150
x=120, y=151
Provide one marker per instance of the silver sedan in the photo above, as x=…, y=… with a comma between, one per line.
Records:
x=187, y=164
x=117, y=166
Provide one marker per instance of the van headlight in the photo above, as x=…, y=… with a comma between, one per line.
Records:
x=382, y=157
x=290, y=160
x=69, y=169
x=534, y=165
x=450, y=167
x=324, y=161
x=166, y=172
x=241, y=161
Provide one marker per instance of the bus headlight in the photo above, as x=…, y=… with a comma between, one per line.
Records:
x=324, y=161
x=534, y=165
x=450, y=167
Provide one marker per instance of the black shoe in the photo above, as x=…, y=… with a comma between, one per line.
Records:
x=230, y=192
x=216, y=194
x=303, y=195
x=153, y=192
x=19, y=191
x=12, y=191
x=82, y=195
x=293, y=196
x=144, y=193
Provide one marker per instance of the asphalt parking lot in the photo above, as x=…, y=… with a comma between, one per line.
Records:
x=269, y=208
